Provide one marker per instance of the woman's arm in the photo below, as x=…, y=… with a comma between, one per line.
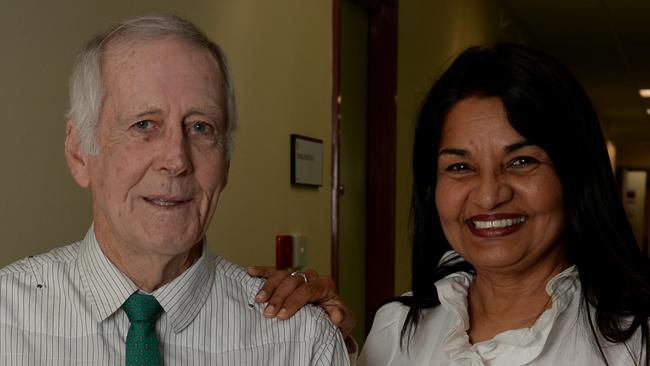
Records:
x=286, y=294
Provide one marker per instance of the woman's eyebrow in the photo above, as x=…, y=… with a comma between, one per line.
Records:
x=453, y=151
x=463, y=152
x=517, y=146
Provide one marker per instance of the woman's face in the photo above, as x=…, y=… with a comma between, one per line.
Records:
x=498, y=196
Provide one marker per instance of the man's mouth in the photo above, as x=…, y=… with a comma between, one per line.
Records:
x=166, y=202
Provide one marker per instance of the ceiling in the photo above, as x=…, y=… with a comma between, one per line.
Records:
x=606, y=43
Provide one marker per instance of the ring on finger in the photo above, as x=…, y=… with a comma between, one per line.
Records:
x=300, y=274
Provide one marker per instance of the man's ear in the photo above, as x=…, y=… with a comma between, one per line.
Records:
x=76, y=158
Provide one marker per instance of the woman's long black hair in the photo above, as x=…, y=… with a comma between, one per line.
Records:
x=546, y=105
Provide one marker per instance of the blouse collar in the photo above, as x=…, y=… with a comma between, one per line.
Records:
x=520, y=345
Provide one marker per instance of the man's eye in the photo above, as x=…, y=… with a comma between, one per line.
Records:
x=201, y=128
x=142, y=125
x=523, y=161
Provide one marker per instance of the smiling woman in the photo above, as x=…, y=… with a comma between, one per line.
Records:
x=515, y=200
x=522, y=253
x=498, y=196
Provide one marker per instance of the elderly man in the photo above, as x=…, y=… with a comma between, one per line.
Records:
x=150, y=131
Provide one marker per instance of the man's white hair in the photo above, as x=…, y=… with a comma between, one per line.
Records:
x=86, y=86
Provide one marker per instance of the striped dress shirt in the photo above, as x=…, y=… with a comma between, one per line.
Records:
x=64, y=308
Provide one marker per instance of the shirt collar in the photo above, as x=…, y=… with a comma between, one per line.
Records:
x=107, y=288
x=184, y=297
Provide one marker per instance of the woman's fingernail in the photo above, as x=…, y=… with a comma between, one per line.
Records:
x=269, y=310
x=261, y=296
x=282, y=313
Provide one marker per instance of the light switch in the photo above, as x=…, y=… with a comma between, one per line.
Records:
x=299, y=251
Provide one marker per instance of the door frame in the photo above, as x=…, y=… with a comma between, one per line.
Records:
x=381, y=145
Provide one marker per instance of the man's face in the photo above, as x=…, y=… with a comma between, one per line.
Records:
x=162, y=148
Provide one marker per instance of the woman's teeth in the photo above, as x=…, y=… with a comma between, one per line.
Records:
x=498, y=224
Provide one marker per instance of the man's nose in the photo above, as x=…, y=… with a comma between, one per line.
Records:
x=174, y=157
x=492, y=190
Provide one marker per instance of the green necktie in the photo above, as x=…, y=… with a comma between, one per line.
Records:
x=142, y=346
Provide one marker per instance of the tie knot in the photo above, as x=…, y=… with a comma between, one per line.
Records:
x=142, y=308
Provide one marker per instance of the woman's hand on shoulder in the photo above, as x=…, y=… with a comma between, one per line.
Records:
x=286, y=294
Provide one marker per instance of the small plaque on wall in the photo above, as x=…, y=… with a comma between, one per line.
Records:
x=306, y=161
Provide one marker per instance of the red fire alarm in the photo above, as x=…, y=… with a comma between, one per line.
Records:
x=283, y=251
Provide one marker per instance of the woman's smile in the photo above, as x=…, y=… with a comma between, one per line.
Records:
x=495, y=225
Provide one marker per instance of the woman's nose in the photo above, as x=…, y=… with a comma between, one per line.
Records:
x=491, y=191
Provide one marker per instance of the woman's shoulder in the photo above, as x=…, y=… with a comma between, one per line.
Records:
x=392, y=312
x=385, y=344
x=382, y=346
x=393, y=306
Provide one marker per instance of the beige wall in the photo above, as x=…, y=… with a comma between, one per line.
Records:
x=280, y=53
x=431, y=33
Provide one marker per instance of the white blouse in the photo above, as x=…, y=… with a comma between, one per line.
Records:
x=560, y=336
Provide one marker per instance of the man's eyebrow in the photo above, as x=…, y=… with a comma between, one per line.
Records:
x=453, y=151
x=517, y=146
x=148, y=111
x=209, y=110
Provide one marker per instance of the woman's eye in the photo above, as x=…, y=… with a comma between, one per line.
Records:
x=522, y=161
x=458, y=168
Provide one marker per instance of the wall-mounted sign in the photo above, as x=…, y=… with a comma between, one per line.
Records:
x=306, y=160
